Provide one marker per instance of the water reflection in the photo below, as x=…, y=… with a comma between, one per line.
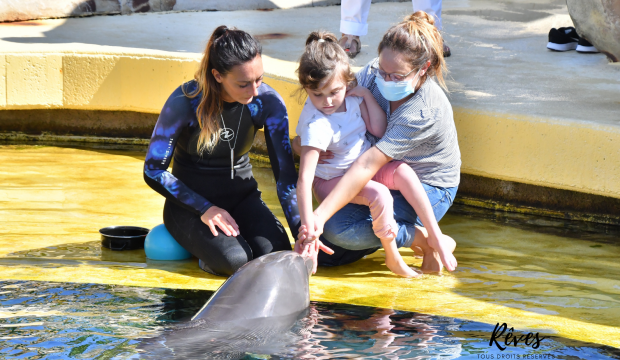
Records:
x=65, y=320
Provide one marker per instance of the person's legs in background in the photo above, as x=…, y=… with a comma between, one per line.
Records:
x=433, y=8
x=353, y=24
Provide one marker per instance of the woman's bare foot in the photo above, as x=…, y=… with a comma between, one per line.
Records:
x=445, y=246
x=417, y=252
x=431, y=263
x=431, y=259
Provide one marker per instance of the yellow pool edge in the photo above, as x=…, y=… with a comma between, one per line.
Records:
x=560, y=154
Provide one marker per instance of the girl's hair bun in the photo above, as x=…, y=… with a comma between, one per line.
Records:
x=321, y=35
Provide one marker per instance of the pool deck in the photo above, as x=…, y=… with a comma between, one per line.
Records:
x=523, y=113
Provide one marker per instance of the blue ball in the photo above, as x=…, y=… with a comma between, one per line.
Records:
x=160, y=245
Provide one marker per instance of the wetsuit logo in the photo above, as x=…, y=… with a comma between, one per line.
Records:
x=227, y=134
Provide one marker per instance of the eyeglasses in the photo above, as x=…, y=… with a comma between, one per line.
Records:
x=374, y=68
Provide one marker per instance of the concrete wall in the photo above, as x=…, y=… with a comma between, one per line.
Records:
x=20, y=10
x=563, y=155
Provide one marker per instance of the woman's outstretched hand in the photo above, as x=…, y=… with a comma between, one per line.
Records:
x=359, y=90
x=219, y=217
x=310, y=248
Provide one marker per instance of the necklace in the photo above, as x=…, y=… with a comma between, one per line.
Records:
x=227, y=134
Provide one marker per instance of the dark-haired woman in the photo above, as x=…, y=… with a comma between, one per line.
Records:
x=213, y=206
x=420, y=132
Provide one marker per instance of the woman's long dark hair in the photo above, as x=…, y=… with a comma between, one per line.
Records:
x=226, y=49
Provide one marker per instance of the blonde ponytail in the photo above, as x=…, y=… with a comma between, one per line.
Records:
x=226, y=48
x=418, y=39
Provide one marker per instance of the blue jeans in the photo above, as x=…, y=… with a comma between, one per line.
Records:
x=351, y=227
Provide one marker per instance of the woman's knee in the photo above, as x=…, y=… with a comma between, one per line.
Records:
x=265, y=244
x=226, y=260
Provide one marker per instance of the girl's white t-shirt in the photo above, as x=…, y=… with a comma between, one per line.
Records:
x=343, y=133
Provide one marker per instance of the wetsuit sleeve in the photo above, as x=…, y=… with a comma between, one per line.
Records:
x=281, y=157
x=176, y=115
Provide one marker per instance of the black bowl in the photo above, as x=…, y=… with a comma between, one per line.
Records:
x=123, y=237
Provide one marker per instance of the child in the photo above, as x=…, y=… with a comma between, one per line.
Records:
x=336, y=120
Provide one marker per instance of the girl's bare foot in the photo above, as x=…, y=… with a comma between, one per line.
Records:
x=394, y=261
x=400, y=268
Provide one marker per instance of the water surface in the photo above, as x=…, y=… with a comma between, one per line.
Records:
x=47, y=320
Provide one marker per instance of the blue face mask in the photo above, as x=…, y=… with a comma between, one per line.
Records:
x=394, y=91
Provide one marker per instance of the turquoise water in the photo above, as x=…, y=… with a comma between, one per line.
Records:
x=45, y=320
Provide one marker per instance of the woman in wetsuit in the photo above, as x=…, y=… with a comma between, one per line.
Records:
x=213, y=206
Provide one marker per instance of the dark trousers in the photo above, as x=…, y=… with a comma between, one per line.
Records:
x=260, y=234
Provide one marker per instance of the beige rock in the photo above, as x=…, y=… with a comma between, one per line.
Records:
x=598, y=21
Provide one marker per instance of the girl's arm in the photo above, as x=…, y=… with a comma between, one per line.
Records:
x=372, y=113
x=307, y=167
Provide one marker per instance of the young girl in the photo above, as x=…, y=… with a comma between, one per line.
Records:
x=336, y=120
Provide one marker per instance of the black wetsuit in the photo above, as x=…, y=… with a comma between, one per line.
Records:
x=199, y=181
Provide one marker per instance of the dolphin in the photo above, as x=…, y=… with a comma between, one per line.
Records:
x=254, y=312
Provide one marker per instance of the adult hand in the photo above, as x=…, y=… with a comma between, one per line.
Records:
x=219, y=217
x=325, y=155
x=358, y=91
x=305, y=235
x=311, y=248
x=318, y=225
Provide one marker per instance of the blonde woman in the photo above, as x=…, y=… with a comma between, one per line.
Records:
x=420, y=132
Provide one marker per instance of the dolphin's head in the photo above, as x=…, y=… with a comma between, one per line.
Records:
x=289, y=258
x=274, y=284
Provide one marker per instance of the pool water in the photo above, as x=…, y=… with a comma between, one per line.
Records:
x=47, y=320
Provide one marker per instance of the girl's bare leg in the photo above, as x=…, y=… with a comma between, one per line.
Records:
x=378, y=198
x=394, y=261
